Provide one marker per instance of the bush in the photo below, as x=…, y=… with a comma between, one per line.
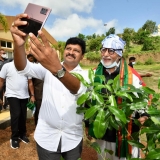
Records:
x=93, y=56
x=149, y=61
x=139, y=63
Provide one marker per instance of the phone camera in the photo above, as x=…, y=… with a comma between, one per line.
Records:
x=44, y=11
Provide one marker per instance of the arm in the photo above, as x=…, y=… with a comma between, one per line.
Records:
x=19, y=39
x=31, y=90
x=146, y=75
x=1, y=83
x=42, y=51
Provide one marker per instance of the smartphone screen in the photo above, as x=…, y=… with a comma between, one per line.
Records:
x=37, y=17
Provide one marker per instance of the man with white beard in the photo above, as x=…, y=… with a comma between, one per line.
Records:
x=110, y=66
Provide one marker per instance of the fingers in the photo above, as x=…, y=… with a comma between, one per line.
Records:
x=44, y=39
x=18, y=22
x=33, y=48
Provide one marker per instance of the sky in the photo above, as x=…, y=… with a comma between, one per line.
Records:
x=71, y=17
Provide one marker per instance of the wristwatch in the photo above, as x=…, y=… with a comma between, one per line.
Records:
x=60, y=73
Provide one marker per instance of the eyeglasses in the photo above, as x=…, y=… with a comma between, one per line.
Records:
x=111, y=51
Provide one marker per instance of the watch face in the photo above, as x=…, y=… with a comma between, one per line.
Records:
x=61, y=72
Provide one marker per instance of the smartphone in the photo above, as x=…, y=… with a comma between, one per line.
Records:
x=37, y=18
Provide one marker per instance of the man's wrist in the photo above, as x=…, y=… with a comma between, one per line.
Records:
x=32, y=95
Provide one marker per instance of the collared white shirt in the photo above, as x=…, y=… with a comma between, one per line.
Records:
x=16, y=85
x=57, y=116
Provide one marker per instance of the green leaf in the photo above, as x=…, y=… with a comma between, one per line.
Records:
x=83, y=98
x=110, y=81
x=79, y=76
x=99, y=124
x=152, y=111
x=91, y=75
x=109, y=88
x=99, y=87
x=138, y=105
x=91, y=111
x=113, y=123
x=148, y=90
x=112, y=101
x=96, y=146
x=118, y=113
x=155, y=120
x=136, y=144
x=124, y=94
x=150, y=130
x=81, y=110
x=116, y=84
x=101, y=77
x=108, y=151
x=98, y=98
x=154, y=154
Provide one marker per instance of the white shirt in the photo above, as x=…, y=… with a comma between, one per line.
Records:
x=57, y=116
x=16, y=84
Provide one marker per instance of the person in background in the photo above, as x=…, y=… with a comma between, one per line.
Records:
x=59, y=131
x=3, y=60
x=38, y=90
x=132, y=62
x=31, y=58
x=17, y=96
x=110, y=66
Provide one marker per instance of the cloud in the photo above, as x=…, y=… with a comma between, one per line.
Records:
x=70, y=17
x=72, y=26
x=61, y=8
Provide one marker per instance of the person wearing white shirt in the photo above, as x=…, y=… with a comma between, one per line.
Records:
x=59, y=131
x=17, y=95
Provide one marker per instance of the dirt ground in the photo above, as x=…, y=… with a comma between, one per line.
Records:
x=28, y=151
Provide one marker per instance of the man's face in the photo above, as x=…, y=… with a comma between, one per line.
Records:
x=2, y=52
x=108, y=56
x=73, y=54
x=31, y=59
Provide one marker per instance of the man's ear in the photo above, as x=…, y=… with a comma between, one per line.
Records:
x=82, y=56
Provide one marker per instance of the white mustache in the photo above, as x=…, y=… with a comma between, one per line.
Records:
x=109, y=58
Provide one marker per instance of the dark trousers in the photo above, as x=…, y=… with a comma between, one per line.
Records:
x=73, y=154
x=1, y=97
x=18, y=112
x=38, y=105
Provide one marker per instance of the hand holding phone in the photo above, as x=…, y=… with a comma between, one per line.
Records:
x=37, y=18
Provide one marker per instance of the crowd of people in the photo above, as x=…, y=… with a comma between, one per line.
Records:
x=40, y=77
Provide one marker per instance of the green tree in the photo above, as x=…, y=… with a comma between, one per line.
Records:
x=140, y=36
x=148, y=44
x=3, y=22
x=94, y=35
x=94, y=44
x=150, y=26
x=110, y=31
x=127, y=36
x=81, y=36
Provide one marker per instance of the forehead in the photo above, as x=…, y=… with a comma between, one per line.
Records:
x=74, y=46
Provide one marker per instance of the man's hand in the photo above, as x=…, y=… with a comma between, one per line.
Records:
x=142, y=119
x=44, y=53
x=32, y=99
x=19, y=37
x=148, y=75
